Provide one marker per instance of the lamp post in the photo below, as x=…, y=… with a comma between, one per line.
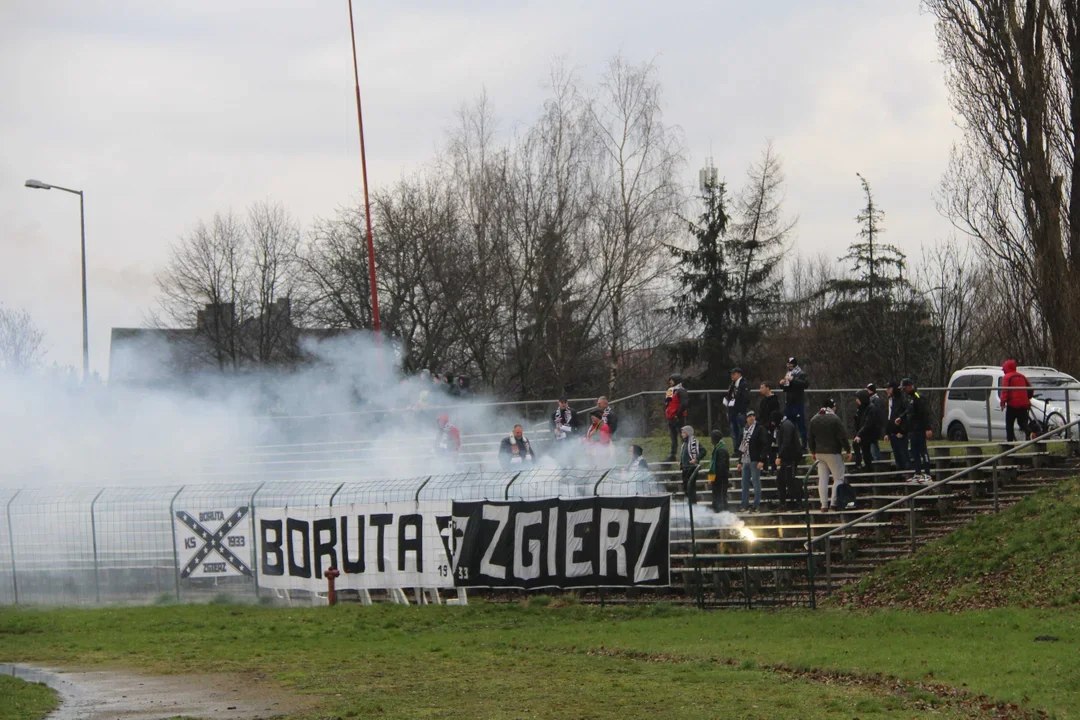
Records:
x=38, y=185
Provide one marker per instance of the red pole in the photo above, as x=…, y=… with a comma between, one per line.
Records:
x=363, y=169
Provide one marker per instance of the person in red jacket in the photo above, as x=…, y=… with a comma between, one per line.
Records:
x=676, y=408
x=1015, y=399
x=448, y=439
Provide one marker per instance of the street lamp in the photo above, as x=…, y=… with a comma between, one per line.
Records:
x=38, y=185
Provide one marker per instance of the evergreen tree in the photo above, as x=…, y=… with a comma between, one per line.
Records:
x=875, y=324
x=878, y=268
x=704, y=278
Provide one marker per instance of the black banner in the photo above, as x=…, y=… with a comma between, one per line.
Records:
x=591, y=542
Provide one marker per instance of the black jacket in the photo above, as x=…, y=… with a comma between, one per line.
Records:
x=738, y=397
x=796, y=388
x=506, y=453
x=917, y=414
x=565, y=417
x=788, y=443
x=897, y=407
x=870, y=426
x=766, y=407
x=759, y=443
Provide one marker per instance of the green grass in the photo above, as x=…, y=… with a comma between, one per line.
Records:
x=1028, y=555
x=21, y=700
x=553, y=660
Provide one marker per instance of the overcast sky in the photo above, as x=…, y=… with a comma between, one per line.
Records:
x=165, y=112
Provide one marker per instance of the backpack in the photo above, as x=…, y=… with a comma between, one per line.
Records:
x=845, y=495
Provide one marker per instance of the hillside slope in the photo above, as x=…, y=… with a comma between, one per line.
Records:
x=1027, y=556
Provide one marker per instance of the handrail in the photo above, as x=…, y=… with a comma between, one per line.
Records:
x=933, y=486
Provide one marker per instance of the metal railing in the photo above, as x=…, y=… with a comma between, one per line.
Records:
x=97, y=545
x=909, y=499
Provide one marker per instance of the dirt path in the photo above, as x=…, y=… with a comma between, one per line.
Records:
x=119, y=695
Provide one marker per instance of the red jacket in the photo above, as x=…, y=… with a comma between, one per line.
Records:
x=675, y=403
x=1019, y=399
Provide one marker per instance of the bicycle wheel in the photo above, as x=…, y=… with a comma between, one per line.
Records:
x=1055, y=421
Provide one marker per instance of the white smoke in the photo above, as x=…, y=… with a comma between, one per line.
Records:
x=706, y=518
x=348, y=416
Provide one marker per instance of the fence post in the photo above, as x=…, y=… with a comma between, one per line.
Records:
x=334, y=494
x=596, y=487
x=911, y=522
x=809, y=538
x=93, y=537
x=708, y=406
x=175, y=551
x=693, y=544
x=995, y=475
x=11, y=541
x=989, y=422
x=506, y=495
x=422, y=486
x=254, y=538
x=828, y=566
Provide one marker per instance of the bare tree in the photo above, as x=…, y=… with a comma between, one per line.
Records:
x=234, y=281
x=760, y=235
x=21, y=341
x=638, y=193
x=1013, y=70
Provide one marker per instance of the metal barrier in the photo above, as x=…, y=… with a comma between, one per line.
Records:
x=78, y=546
x=909, y=499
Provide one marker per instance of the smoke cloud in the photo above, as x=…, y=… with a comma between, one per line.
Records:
x=347, y=415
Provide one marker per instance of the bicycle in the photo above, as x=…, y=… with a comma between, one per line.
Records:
x=1052, y=421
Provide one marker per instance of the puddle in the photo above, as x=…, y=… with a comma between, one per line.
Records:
x=114, y=695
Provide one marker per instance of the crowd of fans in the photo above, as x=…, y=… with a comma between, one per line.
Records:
x=773, y=438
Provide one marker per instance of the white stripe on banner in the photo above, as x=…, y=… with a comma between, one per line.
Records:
x=374, y=546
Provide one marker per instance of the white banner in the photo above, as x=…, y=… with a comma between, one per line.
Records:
x=213, y=543
x=373, y=545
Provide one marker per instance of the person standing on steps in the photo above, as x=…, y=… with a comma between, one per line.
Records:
x=768, y=406
x=794, y=386
x=828, y=442
x=719, y=465
x=689, y=460
x=609, y=417
x=869, y=426
x=752, y=451
x=789, y=453
x=676, y=408
x=896, y=426
x=917, y=416
x=515, y=451
x=1015, y=399
x=737, y=402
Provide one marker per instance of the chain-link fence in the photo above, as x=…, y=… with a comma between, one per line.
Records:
x=79, y=546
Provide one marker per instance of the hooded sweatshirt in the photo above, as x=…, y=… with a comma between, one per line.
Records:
x=1020, y=398
x=691, y=449
x=871, y=419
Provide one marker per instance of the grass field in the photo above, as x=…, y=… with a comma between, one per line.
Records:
x=20, y=700
x=557, y=660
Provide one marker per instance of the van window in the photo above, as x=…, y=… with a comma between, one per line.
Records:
x=963, y=381
x=980, y=381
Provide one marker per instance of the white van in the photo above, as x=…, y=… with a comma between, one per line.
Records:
x=965, y=404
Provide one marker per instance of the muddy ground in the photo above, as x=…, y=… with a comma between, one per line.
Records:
x=123, y=695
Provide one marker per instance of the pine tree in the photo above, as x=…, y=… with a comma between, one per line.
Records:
x=876, y=323
x=704, y=277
